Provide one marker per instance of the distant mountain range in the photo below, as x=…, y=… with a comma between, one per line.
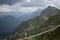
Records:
x=25, y=16
x=7, y=23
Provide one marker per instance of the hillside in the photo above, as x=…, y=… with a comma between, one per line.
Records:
x=52, y=35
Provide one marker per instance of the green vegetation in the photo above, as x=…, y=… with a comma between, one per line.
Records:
x=48, y=19
x=53, y=35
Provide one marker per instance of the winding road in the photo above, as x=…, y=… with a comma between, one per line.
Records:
x=41, y=33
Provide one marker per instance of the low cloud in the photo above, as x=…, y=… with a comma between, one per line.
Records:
x=16, y=8
x=27, y=5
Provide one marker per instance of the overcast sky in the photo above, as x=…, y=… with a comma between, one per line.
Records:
x=26, y=5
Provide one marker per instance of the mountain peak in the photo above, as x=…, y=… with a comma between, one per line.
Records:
x=51, y=7
x=50, y=11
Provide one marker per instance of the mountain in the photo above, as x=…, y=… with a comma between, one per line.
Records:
x=39, y=23
x=46, y=20
x=7, y=23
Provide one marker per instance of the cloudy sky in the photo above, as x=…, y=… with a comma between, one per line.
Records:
x=26, y=5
